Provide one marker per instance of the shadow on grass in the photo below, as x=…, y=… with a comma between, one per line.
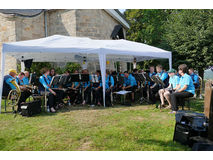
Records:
x=164, y=145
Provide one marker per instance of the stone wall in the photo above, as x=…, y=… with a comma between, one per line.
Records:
x=7, y=34
x=62, y=22
x=96, y=24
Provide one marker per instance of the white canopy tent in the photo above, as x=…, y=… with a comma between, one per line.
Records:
x=59, y=48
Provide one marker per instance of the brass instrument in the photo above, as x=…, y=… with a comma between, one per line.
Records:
x=14, y=95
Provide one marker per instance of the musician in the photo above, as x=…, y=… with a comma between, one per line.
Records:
x=109, y=84
x=97, y=90
x=7, y=85
x=194, y=77
x=151, y=73
x=166, y=93
x=19, y=79
x=184, y=89
x=86, y=89
x=26, y=78
x=45, y=84
x=52, y=72
x=130, y=83
x=155, y=88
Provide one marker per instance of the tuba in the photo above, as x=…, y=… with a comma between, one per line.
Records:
x=14, y=95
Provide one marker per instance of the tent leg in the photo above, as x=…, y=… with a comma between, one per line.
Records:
x=2, y=75
x=102, y=61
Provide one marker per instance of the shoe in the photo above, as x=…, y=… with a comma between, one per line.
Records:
x=84, y=102
x=160, y=106
x=92, y=105
x=52, y=110
x=99, y=104
x=172, y=112
x=168, y=107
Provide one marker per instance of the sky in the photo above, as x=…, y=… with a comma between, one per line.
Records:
x=122, y=10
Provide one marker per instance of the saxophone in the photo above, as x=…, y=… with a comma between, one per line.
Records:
x=14, y=95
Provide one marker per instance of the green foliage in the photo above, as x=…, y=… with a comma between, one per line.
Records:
x=37, y=66
x=71, y=66
x=190, y=35
x=147, y=26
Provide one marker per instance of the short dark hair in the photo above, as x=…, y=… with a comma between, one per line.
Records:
x=191, y=69
x=135, y=70
x=126, y=72
x=44, y=70
x=183, y=68
x=159, y=66
x=22, y=74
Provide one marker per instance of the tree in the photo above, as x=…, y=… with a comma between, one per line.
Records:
x=190, y=35
x=147, y=26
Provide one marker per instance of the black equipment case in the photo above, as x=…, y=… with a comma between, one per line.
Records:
x=31, y=108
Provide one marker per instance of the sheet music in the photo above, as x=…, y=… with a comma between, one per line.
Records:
x=123, y=92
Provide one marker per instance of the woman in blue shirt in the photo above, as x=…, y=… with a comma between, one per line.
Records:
x=108, y=86
x=45, y=84
x=184, y=89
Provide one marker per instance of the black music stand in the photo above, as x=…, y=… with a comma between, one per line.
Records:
x=84, y=78
x=64, y=80
x=33, y=79
x=55, y=80
x=75, y=77
x=147, y=79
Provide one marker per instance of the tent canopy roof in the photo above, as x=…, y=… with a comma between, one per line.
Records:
x=58, y=48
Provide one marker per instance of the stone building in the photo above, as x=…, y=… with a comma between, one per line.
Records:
x=18, y=25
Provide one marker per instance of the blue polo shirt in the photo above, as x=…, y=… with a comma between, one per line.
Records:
x=187, y=80
x=20, y=82
x=86, y=84
x=26, y=81
x=174, y=81
x=45, y=81
x=195, y=79
x=150, y=75
x=107, y=82
x=8, y=80
x=130, y=81
x=163, y=75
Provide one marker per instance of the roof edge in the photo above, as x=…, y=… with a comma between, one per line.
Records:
x=118, y=17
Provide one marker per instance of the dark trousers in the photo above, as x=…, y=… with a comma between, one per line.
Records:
x=24, y=96
x=96, y=95
x=177, y=98
x=53, y=100
x=108, y=97
x=154, y=96
x=87, y=95
x=74, y=96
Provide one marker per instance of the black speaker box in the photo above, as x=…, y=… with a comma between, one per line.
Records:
x=31, y=108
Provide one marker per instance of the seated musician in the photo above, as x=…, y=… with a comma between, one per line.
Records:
x=109, y=84
x=75, y=91
x=151, y=73
x=155, y=88
x=184, y=89
x=26, y=78
x=7, y=86
x=129, y=84
x=166, y=93
x=45, y=84
x=97, y=90
x=195, y=78
x=135, y=71
x=86, y=89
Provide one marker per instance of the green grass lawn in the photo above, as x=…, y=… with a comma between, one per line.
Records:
x=139, y=127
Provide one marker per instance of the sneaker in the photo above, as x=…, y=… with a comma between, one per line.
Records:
x=172, y=112
x=52, y=110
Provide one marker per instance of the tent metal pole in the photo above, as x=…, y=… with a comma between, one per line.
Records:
x=2, y=74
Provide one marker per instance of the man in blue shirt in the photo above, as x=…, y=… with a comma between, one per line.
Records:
x=130, y=83
x=194, y=77
x=184, y=89
x=97, y=90
x=86, y=89
x=19, y=79
x=155, y=88
x=166, y=93
x=26, y=78
x=109, y=84
x=7, y=85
